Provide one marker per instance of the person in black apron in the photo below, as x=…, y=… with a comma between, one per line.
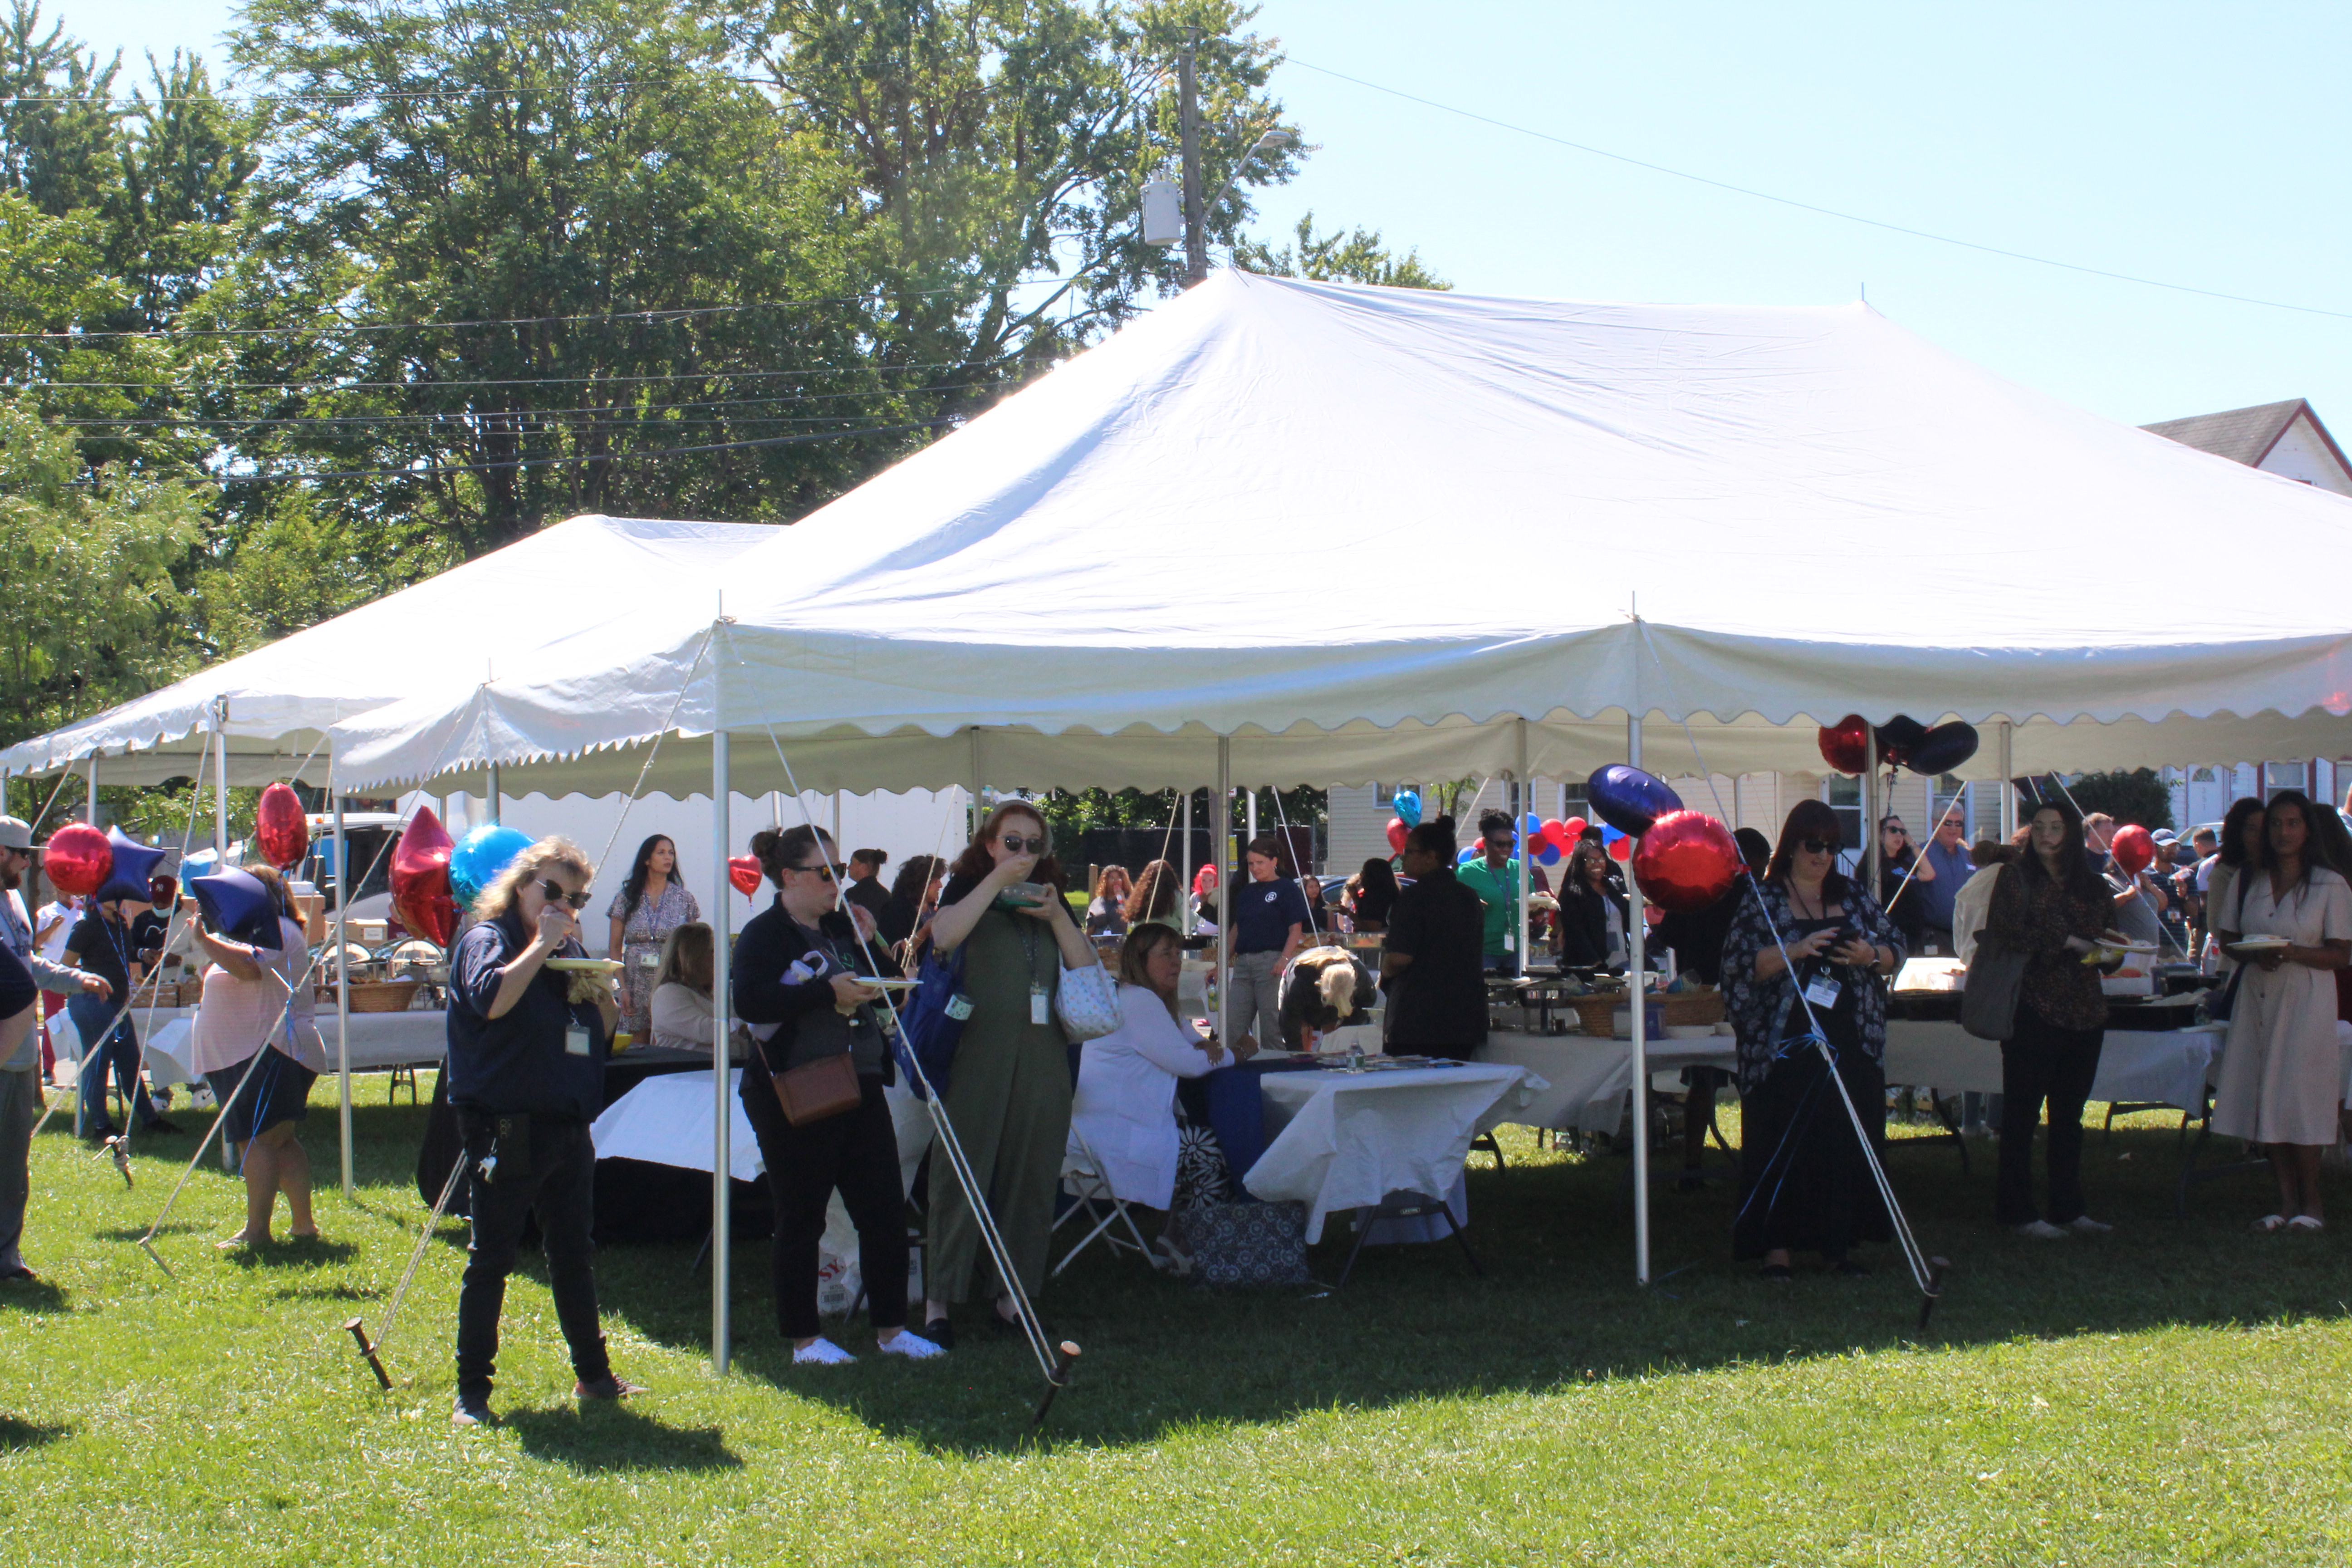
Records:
x=1810, y=950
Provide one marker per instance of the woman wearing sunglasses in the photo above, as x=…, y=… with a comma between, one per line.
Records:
x=527, y=1047
x=798, y=980
x=1811, y=950
x=1010, y=1097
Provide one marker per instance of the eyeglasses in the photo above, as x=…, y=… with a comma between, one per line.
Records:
x=823, y=869
x=556, y=895
x=1817, y=846
x=1020, y=846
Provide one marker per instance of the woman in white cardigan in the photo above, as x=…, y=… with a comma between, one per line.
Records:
x=1125, y=1106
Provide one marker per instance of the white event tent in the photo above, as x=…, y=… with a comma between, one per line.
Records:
x=264, y=716
x=1284, y=532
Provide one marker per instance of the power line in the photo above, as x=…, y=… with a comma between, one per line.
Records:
x=674, y=314
x=437, y=469
x=1822, y=211
x=372, y=95
x=650, y=409
x=328, y=386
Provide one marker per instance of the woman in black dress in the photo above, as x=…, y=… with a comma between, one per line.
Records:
x=1811, y=950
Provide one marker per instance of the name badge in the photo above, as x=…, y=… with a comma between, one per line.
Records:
x=649, y=960
x=1823, y=991
x=1041, y=1006
x=575, y=1041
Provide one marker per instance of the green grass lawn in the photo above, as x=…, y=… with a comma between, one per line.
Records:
x=2175, y=1392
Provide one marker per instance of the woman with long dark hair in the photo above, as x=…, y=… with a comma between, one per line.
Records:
x=1371, y=894
x=1009, y=1096
x=650, y=905
x=798, y=980
x=912, y=892
x=1810, y=950
x=2281, y=1085
x=2241, y=847
x=1901, y=876
x=1153, y=901
x=1590, y=930
x=2051, y=905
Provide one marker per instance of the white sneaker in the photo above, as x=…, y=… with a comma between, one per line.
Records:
x=913, y=1346
x=822, y=1352
x=2084, y=1224
x=2040, y=1230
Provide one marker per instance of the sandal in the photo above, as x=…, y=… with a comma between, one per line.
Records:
x=2269, y=1225
x=2306, y=1224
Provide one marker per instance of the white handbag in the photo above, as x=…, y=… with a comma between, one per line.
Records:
x=1087, y=1000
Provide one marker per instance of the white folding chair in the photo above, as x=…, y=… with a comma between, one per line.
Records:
x=1083, y=1179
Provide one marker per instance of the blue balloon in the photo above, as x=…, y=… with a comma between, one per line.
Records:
x=236, y=906
x=1532, y=826
x=481, y=856
x=134, y=867
x=1628, y=799
x=1407, y=803
x=1609, y=835
x=1468, y=854
x=1548, y=854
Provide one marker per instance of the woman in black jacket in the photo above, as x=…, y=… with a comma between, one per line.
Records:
x=796, y=981
x=1593, y=914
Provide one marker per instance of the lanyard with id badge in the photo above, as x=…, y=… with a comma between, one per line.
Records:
x=1041, y=1000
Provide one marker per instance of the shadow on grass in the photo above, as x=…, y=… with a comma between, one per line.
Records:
x=31, y=1295
x=18, y=1434
x=328, y=1293
x=600, y=1437
x=288, y=1253
x=1558, y=1306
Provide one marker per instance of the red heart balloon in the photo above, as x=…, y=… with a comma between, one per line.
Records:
x=2133, y=848
x=280, y=827
x=420, y=878
x=744, y=871
x=1687, y=860
x=1845, y=745
x=79, y=860
x=1396, y=836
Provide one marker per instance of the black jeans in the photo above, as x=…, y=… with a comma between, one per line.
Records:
x=556, y=1177
x=2042, y=1061
x=856, y=1151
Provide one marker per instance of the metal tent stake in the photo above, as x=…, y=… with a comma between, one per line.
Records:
x=1057, y=1379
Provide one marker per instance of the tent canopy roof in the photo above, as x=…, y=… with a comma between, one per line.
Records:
x=1349, y=524
x=461, y=625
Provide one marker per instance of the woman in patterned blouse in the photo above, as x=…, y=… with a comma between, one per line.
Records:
x=1809, y=950
x=649, y=906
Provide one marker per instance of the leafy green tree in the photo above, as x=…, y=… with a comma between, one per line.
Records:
x=1359, y=256
x=94, y=614
x=2138, y=795
x=59, y=125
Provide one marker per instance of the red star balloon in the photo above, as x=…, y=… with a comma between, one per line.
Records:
x=1687, y=860
x=420, y=878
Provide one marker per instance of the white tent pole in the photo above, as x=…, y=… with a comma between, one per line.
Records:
x=1517, y=944
x=220, y=783
x=497, y=797
x=978, y=814
x=342, y=971
x=837, y=820
x=93, y=789
x=1638, y=961
x=1251, y=821
x=722, y=1121
x=1187, y=917
x=2002, y=737
x=1221, y=830
x=1870, y=810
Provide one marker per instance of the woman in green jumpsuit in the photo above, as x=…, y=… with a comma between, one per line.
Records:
x=1009, y=1095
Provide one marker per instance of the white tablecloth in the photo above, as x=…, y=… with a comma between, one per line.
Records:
x=379, y=1040
x=1351, y=1139
x=1588, y=1077
x=2167, y=1067
x=666, y=1119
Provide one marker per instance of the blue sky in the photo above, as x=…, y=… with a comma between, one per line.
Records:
x=2200, y=145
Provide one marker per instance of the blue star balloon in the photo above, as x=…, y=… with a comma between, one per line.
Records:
x=481, y=856
x=236, y=906
x=134, y=867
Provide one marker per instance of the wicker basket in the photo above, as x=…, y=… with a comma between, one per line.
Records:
x=1599, y=1013
x=383, y=995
